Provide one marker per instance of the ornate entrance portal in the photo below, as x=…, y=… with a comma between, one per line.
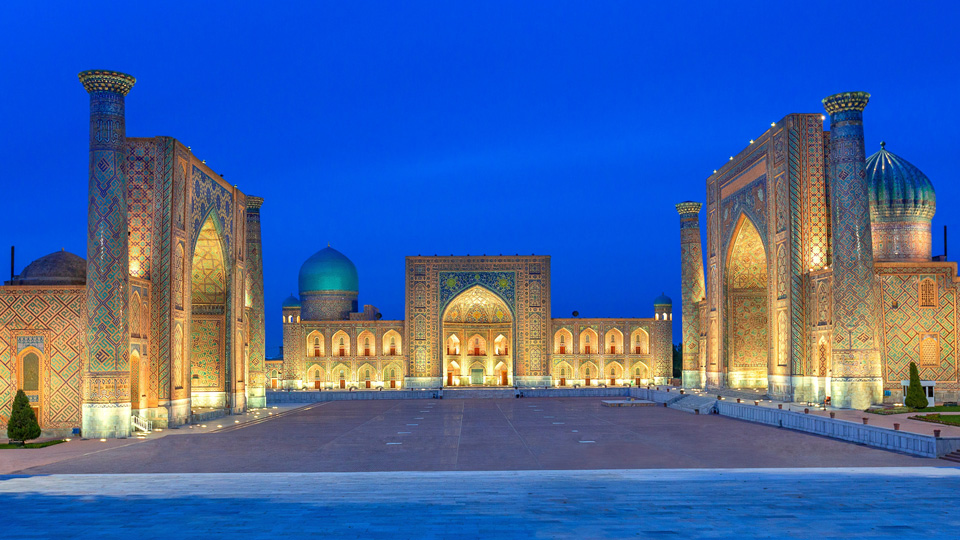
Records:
x=208, y=367
x=748, y=348
x=478, y=337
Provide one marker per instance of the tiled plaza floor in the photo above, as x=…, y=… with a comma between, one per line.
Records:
x=821, y=504
x=479, y=434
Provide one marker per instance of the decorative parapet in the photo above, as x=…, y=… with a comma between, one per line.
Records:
x=688, y=207
x=846, y=101
x=96, y=80
x=254, y=203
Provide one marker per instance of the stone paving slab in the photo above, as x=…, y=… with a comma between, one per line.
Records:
x=864, y=503
x=14, y=460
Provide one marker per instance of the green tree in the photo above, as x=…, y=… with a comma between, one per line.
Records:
x=23, y=424
x=915, y=397
x=678, y=360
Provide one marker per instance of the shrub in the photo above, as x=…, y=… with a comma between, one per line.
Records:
x=915, y=397
x=23, y=424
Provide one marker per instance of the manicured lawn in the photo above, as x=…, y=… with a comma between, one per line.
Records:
x=948, y=419
x=11, y=446
x=900, y=410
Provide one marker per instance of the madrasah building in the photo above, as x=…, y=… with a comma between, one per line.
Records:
x=469, y=321
x=165, y=314
x=819, y=279
x=164, y=318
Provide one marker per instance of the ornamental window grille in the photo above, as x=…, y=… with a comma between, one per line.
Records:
x=928, y=293
x=30, y=372
x=930, y=350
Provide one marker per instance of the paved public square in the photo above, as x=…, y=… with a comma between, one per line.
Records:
x=480, y=435
x=478, y=468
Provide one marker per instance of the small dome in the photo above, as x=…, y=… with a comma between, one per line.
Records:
x=662, y=300
x=898, y=190
x=291, y=302
x=58, y=268
x=328, y=270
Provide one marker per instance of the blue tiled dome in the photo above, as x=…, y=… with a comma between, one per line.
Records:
x=291, y=302
x=662, y=300
x=328, y=270
x=898, y=190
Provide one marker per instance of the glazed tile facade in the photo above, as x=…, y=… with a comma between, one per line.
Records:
x=166, y=323
x=475, y=321
x=798, y=300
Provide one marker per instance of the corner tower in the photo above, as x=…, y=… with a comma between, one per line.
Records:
x=692, y=290
x=256, y=387
x=856, y=381
x=106, y=370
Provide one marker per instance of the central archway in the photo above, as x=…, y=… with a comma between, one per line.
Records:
x=208, y=304
x=748, y=346
x=477, y=332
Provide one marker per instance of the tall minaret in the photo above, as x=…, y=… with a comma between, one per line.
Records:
x=691, y=290
x=106, y=385
x=256, y=388
x=856, y=376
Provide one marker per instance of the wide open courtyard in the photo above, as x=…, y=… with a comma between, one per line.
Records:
x=480, y=435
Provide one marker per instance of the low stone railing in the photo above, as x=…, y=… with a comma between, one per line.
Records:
x=877, y=437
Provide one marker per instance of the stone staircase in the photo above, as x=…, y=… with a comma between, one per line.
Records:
x=694, y=404
x=730, y=394
x=952, y=456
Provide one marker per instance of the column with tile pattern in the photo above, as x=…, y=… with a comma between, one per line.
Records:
x=106, y=379
x=856, y=374
x=692, y=290
x=256, y=388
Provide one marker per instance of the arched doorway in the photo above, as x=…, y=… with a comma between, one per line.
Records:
x=482, y=322
x=209, y=282
x=315, y=377
x=748, y=347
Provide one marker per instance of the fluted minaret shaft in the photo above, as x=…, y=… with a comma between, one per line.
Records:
x=106, y=388
x=856, y=377
x=692, y=290
x=256, y=386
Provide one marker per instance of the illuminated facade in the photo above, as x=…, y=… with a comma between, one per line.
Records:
x=819, y=279
x=165, y=315
x=470, y=321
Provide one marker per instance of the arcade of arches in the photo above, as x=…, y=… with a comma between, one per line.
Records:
x=478, y=331
x=470, y=321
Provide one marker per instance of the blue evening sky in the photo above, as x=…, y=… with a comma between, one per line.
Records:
x=402, y=128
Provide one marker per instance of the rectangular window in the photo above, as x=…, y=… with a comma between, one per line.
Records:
x=928, y=293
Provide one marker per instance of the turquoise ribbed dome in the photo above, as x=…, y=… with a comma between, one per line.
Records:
x=898, y=190
x=291, y=302
x=662, y=300
x=328, y=270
